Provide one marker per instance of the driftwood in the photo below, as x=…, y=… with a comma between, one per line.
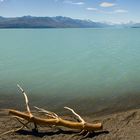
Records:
x=52, y=120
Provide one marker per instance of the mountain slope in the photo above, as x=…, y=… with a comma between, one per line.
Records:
x=48, y=22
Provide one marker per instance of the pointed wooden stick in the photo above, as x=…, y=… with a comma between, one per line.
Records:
x=48, y=113
x=14, y=130
x=11, y=131
x=26, y=100
x=79, y=117
x=81, y=132
x=19, y=120
x=88, y=133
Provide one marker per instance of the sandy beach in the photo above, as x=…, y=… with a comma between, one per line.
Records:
x=117, y=126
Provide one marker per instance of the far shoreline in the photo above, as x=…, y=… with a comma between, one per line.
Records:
x=86, y=106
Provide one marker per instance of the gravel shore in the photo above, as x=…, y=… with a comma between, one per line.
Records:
x=116, y=126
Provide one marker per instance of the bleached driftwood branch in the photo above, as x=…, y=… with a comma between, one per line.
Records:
x=26, y=100
x=79, y=117
x=53, y=119
x=48, y=113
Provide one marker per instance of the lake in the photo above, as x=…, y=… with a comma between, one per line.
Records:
x=87, y=68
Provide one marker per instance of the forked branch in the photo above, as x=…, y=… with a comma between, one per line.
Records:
x=79, y=117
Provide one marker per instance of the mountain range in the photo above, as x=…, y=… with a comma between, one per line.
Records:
x=54, y=22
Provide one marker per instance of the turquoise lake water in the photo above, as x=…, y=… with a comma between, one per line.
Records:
x=70, y=63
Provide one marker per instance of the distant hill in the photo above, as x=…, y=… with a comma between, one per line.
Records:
x=48, y=22
x=57, y=22
x=137, y=25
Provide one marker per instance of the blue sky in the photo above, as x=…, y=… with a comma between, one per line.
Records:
x=97, y=10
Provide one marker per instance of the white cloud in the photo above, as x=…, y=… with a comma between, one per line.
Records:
x=1, y=0
x=107, y=4
x=92, y=9
x=78, y=3
x=75, y=3
x=120, y=11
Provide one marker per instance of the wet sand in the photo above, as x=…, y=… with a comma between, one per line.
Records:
x=91, y=106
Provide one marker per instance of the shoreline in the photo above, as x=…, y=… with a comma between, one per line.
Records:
x=120, y=117
x=83, y=105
